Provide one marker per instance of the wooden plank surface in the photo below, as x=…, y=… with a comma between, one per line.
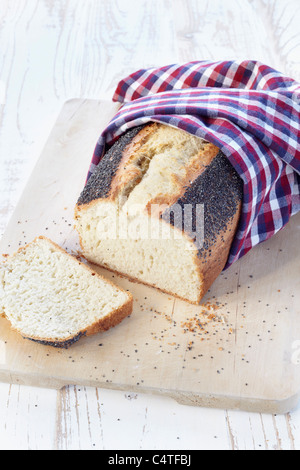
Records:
x=55, y=50
x=233, y=351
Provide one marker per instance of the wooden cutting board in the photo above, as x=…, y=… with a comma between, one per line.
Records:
x=240, y=349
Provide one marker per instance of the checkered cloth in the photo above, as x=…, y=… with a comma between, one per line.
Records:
x=247, y=109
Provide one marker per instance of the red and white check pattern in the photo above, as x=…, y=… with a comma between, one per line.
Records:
x=247, y=109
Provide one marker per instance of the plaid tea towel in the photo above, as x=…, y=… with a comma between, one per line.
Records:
x=247, y=109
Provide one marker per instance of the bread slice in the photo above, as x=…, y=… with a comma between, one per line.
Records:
x=162, y=208
x=50, y=297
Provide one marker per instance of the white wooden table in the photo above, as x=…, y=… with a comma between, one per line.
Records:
x=55, y=50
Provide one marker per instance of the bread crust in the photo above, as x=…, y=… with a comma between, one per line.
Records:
x=109, y=321
x=209, y=179
x=104, y=324
x=100, y=183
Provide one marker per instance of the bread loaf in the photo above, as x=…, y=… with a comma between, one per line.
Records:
x=50, y=297
x=162, y=208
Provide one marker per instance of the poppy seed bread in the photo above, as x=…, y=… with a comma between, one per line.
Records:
x=162, y=208
x=50, y=297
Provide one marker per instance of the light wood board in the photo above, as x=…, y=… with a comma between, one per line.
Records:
x=243, y=350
